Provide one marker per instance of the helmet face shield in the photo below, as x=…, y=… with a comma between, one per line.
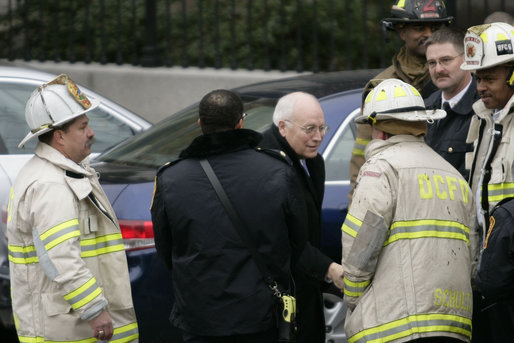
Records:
x=488, y=45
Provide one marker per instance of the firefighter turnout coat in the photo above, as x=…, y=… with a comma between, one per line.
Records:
x=409, y=244
x=489, y=134
x=66, y=253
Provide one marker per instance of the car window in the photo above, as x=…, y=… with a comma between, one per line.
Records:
x=339, y=153
x=13, y=97
x=166, y=140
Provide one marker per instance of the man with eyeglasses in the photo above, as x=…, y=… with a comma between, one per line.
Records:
x=414, y=21
x=456, y=95
x=221, y=296
x=298, y=129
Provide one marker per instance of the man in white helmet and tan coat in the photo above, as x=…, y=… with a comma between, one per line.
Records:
x=489, y=52
x=409, y=239
x=68, y=268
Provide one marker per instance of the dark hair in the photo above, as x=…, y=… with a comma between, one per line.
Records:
x=47, y=136
x=220, y=110
x=447, y=35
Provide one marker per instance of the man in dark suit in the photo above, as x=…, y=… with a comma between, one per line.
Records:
x=298, y=129
x=456, y=94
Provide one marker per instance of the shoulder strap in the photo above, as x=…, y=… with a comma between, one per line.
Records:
x=497, y=136
x=236, y=220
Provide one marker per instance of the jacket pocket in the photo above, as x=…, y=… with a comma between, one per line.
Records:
x=54, y=304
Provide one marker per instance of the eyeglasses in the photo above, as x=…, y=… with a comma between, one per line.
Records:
x=443, y=61
x=311, y=129
x=244, y=115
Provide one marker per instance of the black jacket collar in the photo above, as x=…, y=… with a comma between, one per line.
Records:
x=222, y=142
x=463, y=107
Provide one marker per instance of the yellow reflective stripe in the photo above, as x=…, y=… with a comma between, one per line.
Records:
x=84, y=294
x=359, y=146
x=25, y=339
x=499, y=191
x=10, y=205
x=351, y=225
x=22, y=255
x=59, y=227
x=87, y=299
x=355, y=289
x=362, y=141
x=427, y=228
x=60, y=233
x=61, y=239
x=117, y=332
x=125, y=333
x=102, y=245
x=357, y=284
x=414, y=324
x=358, y=152
x=86, y=340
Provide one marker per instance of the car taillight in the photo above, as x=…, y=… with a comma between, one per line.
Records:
x=137, y=234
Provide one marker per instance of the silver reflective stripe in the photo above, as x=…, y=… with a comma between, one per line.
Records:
x=22, y=255
x=76, y=301
x=119, y=336
x=414, y=325
x=351, y=225
x=427, y=228
x=44, y=260
x=55, y=236
x=101, y=245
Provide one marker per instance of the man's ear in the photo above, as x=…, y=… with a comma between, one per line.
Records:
x=401, y=33
x=282, y=128
x=199, y=122
x=240, y=124
x=58, y=137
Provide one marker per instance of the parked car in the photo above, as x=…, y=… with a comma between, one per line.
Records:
x=127, y=174
x=110, y=122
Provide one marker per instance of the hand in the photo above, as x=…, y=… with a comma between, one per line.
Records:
x=335, y=273
x=102, y=326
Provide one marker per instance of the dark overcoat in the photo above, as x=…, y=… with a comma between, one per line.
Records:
x=218, y=289
x=447, y=136
x=310, y=273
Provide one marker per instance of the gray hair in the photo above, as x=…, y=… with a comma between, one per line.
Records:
x=285, y=105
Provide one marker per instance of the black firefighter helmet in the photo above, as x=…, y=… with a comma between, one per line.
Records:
x=417, y=12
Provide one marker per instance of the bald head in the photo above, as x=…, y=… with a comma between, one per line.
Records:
x=301, y=122
x=286, y=105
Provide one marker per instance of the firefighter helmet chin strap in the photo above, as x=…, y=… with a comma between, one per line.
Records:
x=510, y=80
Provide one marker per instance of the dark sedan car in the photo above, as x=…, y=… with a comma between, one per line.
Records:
x=128, y=170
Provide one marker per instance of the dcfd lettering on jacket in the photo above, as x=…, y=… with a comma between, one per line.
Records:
x=443, y=187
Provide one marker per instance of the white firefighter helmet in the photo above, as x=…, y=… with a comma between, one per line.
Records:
x=395, y=99
x=488, y=45
x=53, y=104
